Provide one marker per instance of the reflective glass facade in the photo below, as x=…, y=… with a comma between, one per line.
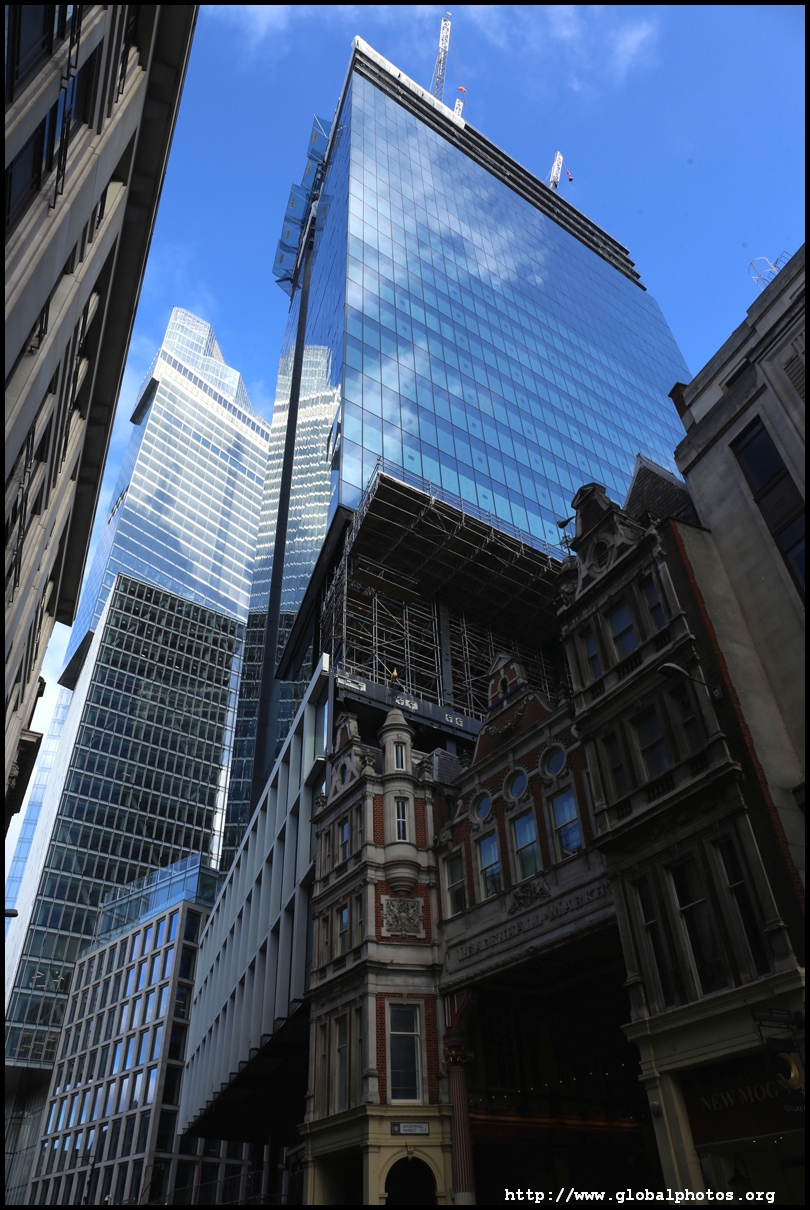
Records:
x=487, y=349
x=186, y=505
x=467, y=338
x=138, y=775
x=143, y=747
x=309, y=503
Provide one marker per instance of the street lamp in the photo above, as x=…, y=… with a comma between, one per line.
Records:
x=674, y=672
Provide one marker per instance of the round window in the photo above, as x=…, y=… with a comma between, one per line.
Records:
x=518, y=784
x=344, y=773
x=601, y=554
x=483, y=807
x=555, y=761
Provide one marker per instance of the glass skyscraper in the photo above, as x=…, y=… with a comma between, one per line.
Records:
x=309, y=503
x=138, y=778
x=478, y=333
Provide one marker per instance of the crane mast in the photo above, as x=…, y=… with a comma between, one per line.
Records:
x=556, y=171
x=440, y=70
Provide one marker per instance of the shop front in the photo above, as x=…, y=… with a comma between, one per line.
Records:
x=747, y=1119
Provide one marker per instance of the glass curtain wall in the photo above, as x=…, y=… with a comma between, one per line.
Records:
x=487, y=349
x=466, y=340
x=139, y=777
x=141, y=790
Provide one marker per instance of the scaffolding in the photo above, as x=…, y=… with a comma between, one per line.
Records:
x=424, y=590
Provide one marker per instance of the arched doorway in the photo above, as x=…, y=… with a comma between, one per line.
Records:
x=410, y=1183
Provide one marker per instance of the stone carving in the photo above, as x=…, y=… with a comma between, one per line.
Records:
x=457, y=1056
x=402, y=917
x=527, y=893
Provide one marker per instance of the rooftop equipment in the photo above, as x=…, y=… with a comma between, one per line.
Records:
x=440, y=70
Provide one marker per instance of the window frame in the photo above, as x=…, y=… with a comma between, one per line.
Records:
x=450, y=887
x=341, y=929
x=343, y=839
x=520, y=875
x=656, y=950
x=649, y=587
x=593, y=659
x=557, y=827
x=401, y=821
x=631, y=628
x=418, y=1010
x=652, y=710
x=482, y=869
x=684, y=932
x=342, y=1073
x=776, y=527
x=745, y=907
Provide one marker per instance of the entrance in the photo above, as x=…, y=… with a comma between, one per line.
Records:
x=410, y=1183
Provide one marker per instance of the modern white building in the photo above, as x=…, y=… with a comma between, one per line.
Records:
x=252, y=972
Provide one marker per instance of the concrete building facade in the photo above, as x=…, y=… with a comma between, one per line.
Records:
x=743, y=461
x=708, y=899
x=92, y=93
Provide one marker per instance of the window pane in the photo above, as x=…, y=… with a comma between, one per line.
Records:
x=528, y=860
x=622, y=629
x=569, y=838
x=404, y=1054
x=745, y=906
x=651, y=742
x=700, y=928
x=759, y=457
x=192, y=927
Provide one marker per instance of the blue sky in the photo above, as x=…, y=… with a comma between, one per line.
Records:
x=681, y=125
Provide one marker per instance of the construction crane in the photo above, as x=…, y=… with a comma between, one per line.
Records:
x=459, y=106
x=440, y=70
x=556, y=172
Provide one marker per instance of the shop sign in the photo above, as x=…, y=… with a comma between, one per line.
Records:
x=741, y=1099
x=410, y=1127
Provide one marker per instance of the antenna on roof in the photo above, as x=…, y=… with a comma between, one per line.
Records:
x=440, y=70
x=460, y=103
x=556, y=172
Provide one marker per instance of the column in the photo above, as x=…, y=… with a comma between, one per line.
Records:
x=457, y=1057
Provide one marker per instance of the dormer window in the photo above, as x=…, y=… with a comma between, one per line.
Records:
x=622, y=630
x=504, y=686
x=601, y=554
x=399, y=756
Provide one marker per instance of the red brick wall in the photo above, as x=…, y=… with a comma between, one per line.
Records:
x=379, y=819
x=420, y=818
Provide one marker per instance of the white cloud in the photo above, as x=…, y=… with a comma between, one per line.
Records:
x=631, y=44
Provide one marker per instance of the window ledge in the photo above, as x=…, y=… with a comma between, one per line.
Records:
x=682, y=779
